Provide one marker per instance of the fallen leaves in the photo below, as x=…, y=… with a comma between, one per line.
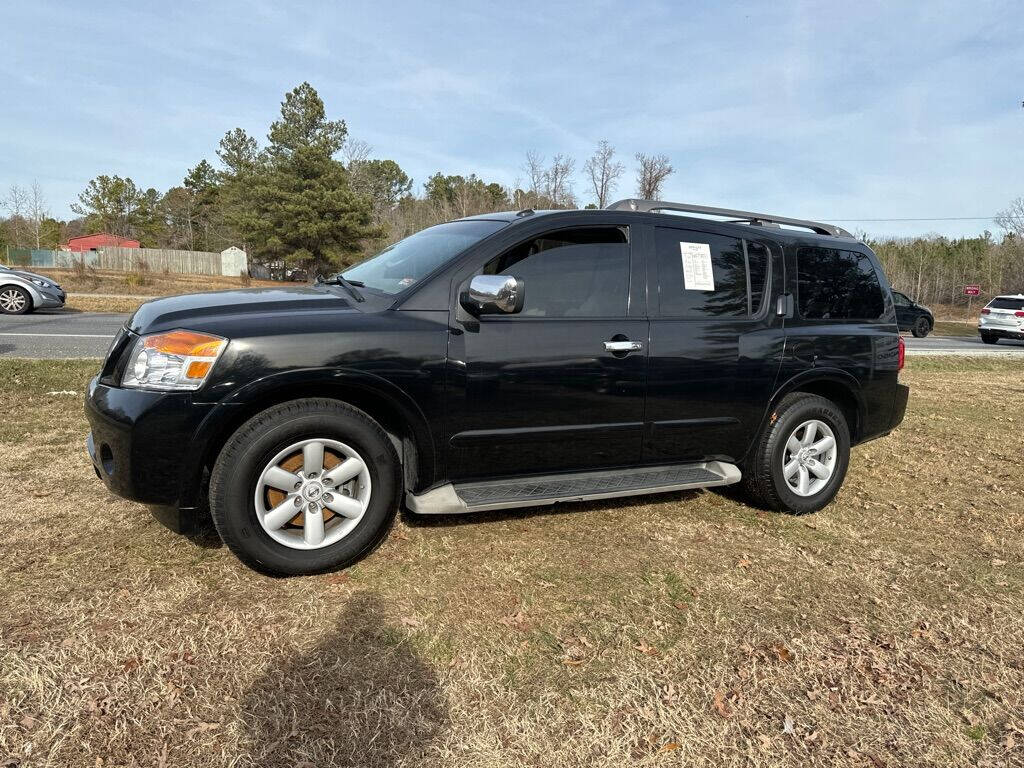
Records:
x=516, y=621
x=782, y=652
x=646, y=650
x=721, y=705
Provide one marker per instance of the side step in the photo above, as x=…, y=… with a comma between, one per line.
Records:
x=581, y=486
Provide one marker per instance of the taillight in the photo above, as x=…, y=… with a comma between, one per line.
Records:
x=901, y=355
x=986, y=311
x=1018, y=314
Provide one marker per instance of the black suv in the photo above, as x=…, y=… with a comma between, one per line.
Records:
x=505, y=360
x=911, y=316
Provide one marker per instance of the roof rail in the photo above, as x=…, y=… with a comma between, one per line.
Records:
x=742, y=217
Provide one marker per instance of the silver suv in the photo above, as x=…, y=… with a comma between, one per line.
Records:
x=22, y=292
x=1002, y=318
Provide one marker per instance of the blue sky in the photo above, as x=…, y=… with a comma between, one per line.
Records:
x=811, y=109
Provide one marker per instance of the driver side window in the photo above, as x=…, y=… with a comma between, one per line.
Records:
x=571, y=272
x=900, y=300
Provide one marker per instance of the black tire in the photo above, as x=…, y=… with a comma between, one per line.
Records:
x=26, y=300
x=242, y=459
x=762, y=474
x=921, y=328
x=988, y=338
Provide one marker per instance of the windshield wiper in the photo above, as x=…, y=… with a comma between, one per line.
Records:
x=352, y=286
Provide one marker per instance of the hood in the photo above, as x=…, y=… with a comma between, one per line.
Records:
x=198, y=311
x=32, y=275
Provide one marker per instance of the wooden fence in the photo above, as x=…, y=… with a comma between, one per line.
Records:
x=230, y=262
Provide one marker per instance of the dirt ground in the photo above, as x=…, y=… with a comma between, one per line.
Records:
x=681, y=629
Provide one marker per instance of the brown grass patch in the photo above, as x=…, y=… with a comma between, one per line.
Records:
x=146, y=282
x=103, y=303
x=684, y=629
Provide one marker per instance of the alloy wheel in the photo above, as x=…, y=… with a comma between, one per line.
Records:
x=312, y=494
x=809, y=457
x=12, y=301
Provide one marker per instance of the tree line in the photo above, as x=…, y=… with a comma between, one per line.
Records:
x=311, y=196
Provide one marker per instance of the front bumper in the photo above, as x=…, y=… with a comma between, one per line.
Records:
x=47, y=298
x=145, y=445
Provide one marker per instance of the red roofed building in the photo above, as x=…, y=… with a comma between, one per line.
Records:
x=98, y=240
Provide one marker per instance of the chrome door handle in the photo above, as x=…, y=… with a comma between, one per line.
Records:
x=623, y=346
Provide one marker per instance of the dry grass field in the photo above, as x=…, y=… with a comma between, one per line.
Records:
x=147, y=283
x=684, y=629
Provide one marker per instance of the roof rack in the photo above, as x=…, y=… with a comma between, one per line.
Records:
x=738, y=217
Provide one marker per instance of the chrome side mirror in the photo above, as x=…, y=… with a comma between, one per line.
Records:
x=493, y=294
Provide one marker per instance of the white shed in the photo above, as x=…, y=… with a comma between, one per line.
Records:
x=233, y=261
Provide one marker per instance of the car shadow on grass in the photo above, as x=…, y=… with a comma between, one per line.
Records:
x=360, y=697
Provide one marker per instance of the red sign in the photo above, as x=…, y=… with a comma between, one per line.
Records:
x=972, y=290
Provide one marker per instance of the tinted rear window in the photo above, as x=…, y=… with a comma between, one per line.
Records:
x=837, y=285
x=1008, y=303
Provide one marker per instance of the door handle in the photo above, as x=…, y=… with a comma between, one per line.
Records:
x=623, y=346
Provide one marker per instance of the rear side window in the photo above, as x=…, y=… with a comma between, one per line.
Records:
x=705, y=275
x=1007, y=303
x=837, y=285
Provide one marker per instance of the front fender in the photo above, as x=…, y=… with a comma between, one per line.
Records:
x=362, y=389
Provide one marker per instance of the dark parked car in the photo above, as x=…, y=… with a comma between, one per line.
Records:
x=505, y=360
x=911, y=316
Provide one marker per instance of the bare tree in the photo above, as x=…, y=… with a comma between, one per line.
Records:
x=1012, y=219
x=534, y=173
x=37, y=211
x=603, y=172
x=651, y=174
x=557, y=184
x=355, y=151
x=16, y=203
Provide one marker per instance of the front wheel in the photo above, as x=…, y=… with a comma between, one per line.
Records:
x=305, y=487
x=14, y=300
x=800, y=460
x=921, y=328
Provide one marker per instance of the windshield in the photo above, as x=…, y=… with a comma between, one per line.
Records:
x=400, y=265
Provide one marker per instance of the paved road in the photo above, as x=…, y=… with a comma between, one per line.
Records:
x=59, y=334
x=961, y=345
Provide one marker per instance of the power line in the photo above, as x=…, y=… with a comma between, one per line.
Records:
x=939, y=218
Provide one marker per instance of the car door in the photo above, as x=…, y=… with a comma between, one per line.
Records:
x=558, y=386
x=716, y=342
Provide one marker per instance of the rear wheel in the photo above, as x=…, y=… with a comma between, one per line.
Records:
x=14, y=300
x=921, y=328
x=989, y=338
x=305, y=487
x=801, y=458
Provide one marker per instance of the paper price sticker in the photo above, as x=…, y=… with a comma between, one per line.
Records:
x=698, y=274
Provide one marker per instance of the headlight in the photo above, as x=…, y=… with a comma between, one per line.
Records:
x=40, y=283
x=174, y=360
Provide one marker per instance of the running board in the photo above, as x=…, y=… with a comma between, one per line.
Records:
x=581, y=486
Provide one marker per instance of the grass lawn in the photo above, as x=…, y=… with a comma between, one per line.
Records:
x=682, y=629
x=956, y=328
